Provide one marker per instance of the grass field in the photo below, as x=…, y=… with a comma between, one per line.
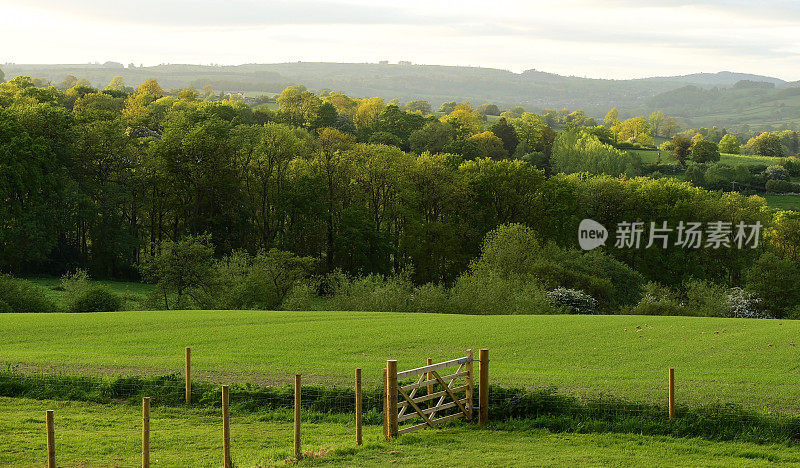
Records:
x=651, y=156
x=132, y=293
x=109, y=435
x=783, y=201
x=752, y=362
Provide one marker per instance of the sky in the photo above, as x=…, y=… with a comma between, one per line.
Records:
x=618, y=39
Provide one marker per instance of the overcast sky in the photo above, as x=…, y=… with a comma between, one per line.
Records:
x=602, y=39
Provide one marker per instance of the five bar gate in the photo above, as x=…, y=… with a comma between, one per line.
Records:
x=441, y=395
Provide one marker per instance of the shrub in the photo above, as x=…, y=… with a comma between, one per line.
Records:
x=302, y=296
x=792, y=165
x=371, y=292
x=491, y=294
x=742, y=304
x=705, y=151
x=5, y=308
x=262, y=282
x=776, y=173
x=781, y=186
x=24, y=297
x=74, y=286
x=575, y=302
x=97, y=299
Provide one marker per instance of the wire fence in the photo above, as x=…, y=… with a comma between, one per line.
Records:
x=100, y=419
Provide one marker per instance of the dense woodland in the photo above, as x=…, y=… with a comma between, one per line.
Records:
x=103, y=179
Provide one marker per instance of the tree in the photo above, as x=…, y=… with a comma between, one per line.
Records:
x=681, y=147
x=657, y=122
x=729, y=144
x=766, y=144
x=465, y=120
x=773, y=280
x=421, y=106
x=635, y=130
x=326, y=116
x=151, y=88
x=183, y=268
x=117, y=84
x=612, y=118
x=2, y=76
x=447, y=107
x=368, y=112
x=433, y=137
x=298, y=106
x=489, y=109
x=489, y=145
x=670, y=126
x=507, y=134
x=705, y=151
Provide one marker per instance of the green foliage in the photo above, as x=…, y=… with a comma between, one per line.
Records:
x=705, y=151
x=431, y=138
x=575, y=151
x=729, y=144
x=681, y=147
x=772, y=279
x=96, y=299
x=240, y=281
x=183, y=268
x=781, y=186
x=776, y=173
x=20, y=296
x=575, y=302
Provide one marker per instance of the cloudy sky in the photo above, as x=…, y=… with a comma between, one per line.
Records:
x=603, y=39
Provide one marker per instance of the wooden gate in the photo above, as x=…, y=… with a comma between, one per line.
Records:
x=431, y=399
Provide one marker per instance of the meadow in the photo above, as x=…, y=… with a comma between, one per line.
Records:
x=109, y=435
x=651, y=156
x=745, y=361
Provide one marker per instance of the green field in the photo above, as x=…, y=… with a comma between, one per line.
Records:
x=752, y=362
x=783, y=201
x=132, y=293
x=109, y=435
x=651, y=156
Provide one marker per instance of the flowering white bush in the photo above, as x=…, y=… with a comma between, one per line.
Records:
x=576, y=302
x=742, y=304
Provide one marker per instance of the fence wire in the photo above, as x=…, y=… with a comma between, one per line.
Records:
x=99, y=420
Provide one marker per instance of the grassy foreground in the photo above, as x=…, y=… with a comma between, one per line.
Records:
x=751, y=362
x=109, y=435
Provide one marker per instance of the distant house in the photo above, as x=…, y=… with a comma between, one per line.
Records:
x=383, y=62
x=404, y=62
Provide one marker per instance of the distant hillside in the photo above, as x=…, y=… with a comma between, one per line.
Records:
x=701, y=98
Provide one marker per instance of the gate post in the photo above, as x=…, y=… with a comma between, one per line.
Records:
x=469, y=386
x=483, y=395
x=391, y=388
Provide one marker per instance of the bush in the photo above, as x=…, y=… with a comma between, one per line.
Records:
x=5, y=308
x=776, y=173
x=575, y=302
x=492, y=294
x=781, y=186
x=24, y=297
x=742, y=304
x=97, y=299
x=302, y=296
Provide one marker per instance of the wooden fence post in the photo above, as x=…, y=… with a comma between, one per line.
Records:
x=188, y=375
x=391, y=384
x=483, y=390
x=146, y=432
x=671, y=392
x=469, y=386
x=298, y=454
x=429, y=376
x=385, y=404
x=226, y=427
x=51, y=440
x=359, y=417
